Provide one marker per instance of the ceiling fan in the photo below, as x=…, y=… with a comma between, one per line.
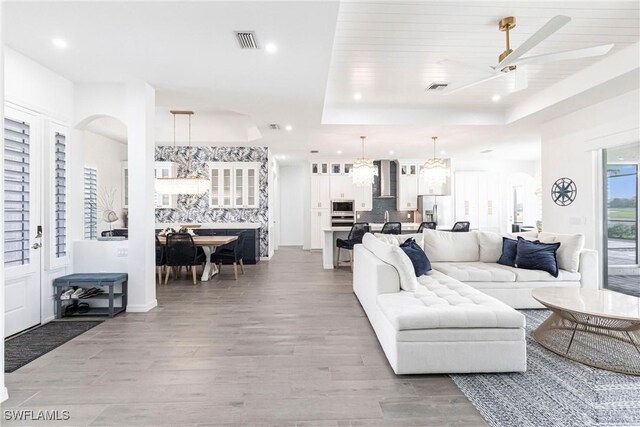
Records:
x=512, y=61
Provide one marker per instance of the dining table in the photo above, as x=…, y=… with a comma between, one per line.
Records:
x=208, y=245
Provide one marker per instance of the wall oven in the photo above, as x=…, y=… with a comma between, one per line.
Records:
x=343, y=213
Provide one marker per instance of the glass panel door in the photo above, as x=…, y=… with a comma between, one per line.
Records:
x=239, y=196
x=621, y=219
x=252, y=189
x=226, y=187
x=215, y=188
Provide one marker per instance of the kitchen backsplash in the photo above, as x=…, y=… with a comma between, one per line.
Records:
x=382, y=204
x=195, y=208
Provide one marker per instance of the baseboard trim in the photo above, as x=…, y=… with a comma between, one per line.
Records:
x=142, y=308
x=4, y=393
x=265, y=258
x=47, y=320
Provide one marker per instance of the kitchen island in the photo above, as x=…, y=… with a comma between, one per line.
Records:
x=330, y=234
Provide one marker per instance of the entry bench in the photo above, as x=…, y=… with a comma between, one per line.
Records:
x=103, y=304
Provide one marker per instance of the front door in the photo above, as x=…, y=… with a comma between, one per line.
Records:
x=22, y=236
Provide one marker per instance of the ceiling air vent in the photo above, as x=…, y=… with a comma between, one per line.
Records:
x=247, y=39
x=437, y=87
x=314, y=151
x=486, y=151
x=274, y=126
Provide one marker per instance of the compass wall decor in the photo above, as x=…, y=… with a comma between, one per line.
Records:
x=563, y=192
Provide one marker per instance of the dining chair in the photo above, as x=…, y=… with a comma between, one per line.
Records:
x=392, y=228
x=181, y=251
x=429, y=225
x=160, y=259
x=460, y=226
x=357, y=232
x=232, y=253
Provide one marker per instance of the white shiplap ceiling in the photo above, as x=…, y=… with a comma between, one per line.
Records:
x=390, y=51
x=387, y=51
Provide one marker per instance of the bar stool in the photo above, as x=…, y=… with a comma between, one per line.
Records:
x=429, y=224
x=392, y=228
x=358, y=230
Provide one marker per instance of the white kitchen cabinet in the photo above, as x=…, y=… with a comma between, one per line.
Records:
x=165, y=170
x=320, y=191
x=245, y=185
x=342, y=187
x=478, y=200
x=407, y=197
x=319, y=168
x=234, y=185
x=320, y=218
x=364, y=198
x=221, y=176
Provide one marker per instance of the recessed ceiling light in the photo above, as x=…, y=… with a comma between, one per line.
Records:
x=59, y=43
x=339, y=151
x=271, y=48
x=357, y=96
x=496, y=98
x=288, y=127
x=443, y=152
x=391, y=152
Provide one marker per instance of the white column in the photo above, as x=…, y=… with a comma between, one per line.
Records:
x=3, y=390
x=140, y=121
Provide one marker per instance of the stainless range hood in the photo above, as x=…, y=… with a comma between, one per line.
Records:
x=384, y=180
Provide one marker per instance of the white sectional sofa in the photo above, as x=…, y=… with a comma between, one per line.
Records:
x=438, y=323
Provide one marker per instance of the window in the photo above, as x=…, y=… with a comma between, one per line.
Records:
x=90, y=203
x=16, y=192
x=60, y=195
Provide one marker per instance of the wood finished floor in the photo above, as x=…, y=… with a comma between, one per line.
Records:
x=286, y=344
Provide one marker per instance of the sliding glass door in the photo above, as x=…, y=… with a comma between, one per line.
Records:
x=621, y=219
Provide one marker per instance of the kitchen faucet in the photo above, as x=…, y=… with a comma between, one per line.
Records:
x=386, y=216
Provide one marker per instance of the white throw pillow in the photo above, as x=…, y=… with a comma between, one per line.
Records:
x=568, y=254
x=491, y=243
x=446, y=246
x=398, y=239
x=394, y=256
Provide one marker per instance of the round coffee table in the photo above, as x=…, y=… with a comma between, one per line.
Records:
x=599, y=328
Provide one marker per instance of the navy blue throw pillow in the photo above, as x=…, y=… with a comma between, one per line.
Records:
x=509, y=251
x=537, y=256
x=421, y=263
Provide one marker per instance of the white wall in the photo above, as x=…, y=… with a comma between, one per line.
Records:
x=106, y=156
x=570, y=148
x=293, y=186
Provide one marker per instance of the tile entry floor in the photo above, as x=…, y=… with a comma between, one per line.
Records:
x=286, y=344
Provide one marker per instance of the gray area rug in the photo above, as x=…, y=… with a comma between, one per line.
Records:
x=25, y=348
x=553, y=392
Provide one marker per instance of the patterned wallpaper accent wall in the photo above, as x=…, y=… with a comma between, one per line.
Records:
x=195, y=208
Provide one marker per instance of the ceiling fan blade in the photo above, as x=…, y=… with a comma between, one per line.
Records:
x=520, y=80
x=539, y=36
x=455, y=63
x=587, y=52
x=477, y=82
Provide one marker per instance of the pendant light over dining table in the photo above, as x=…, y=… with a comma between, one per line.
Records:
x=435, y=171
x=364, y=171
x=187, y=184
